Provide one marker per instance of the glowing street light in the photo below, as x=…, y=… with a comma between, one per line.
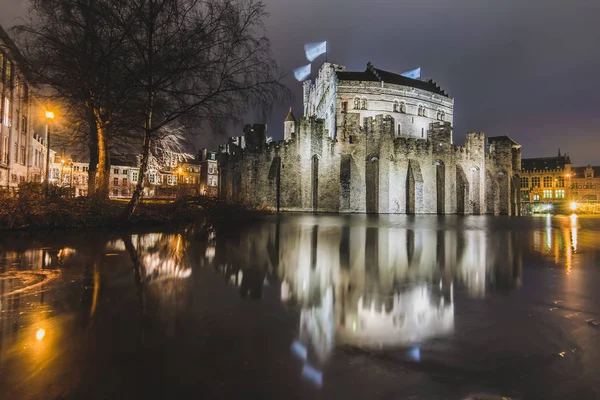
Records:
x=573, y=206
x=39, y=335
x=49, y=115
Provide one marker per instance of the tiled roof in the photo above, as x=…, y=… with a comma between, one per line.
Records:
x=372, y=74
x=544, y=163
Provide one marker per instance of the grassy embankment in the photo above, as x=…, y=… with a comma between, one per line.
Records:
x=31, y=209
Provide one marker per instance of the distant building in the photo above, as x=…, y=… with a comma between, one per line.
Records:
x=209, y=173
x=585, y=183
x=546, y=179
x=22, y=151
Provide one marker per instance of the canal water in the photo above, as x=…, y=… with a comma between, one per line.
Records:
x=305, y=306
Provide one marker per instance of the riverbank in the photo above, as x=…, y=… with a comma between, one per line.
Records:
x=40, y=213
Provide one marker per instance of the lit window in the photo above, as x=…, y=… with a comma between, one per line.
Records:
x=560, y=194
x=547, y=194
x=536, y=197
x=356, y=103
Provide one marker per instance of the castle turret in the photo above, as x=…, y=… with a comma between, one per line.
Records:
x=288, y=125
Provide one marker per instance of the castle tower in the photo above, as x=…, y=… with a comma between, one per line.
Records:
x=288, y=125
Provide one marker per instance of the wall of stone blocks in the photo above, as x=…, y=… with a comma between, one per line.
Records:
x=369, y=169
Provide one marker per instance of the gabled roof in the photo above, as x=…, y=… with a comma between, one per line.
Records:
x=545, y=163
x=372, y=74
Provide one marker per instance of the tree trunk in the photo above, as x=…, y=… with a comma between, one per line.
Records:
x=93, y=146
x=103, y=169
x=139, y=187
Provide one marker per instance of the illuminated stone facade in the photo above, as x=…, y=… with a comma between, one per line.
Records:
x=368, y=160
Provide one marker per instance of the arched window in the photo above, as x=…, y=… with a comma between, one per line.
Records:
x=356, y=103
x=402, y=107
x=396, y=106
x=364, y=104
x=424, y=112
x=439, y=113
x=420, y=110
x=442, y=116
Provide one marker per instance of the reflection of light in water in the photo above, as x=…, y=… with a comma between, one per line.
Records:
x=116, y=245
x=574, y=232
x=313, y=375
x=414, y=316
x=210, y=253
x=548, y=232
x=415, y=353
x=317, y=326
x=285, y=291
x=39, y=335
x=299, y=350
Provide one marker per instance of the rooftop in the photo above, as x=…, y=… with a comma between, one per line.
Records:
x=579, y=172
x=545, y=163
x=372, y=74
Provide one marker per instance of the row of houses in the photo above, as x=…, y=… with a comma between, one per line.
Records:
x=24, y=150
x=197, y=177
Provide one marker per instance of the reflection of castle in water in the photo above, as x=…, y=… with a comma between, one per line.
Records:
x=369, y=286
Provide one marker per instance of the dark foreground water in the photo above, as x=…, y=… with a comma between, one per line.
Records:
x=302, y=306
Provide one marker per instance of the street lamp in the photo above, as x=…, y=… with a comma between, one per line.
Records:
x=49, y=118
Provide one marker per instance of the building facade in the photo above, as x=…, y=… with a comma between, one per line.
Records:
x=22, y=151
x=370, y=162
x=585, y=184
x=546, y=179
x=209, y=173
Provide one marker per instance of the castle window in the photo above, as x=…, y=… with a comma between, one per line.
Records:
x=548, y=181
x=402, y=107
x=524, y=182
x=536, y=197
x=535, y=181
x=345, y=106
x=547, y=194
x=364, y=104
x=560, y=182
x=422, y=132
x=356, y=103
x=396, y=106
x=560, y=194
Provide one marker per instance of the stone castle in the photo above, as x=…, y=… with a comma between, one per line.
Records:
x=372, y=142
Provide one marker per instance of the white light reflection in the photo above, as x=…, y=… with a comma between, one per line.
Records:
x=574, y=232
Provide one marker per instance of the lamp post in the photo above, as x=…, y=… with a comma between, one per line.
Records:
x=49, y=118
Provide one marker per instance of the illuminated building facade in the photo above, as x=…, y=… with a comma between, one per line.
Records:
x=22, y=151
x=372, y=142
x=585, y=183
x=546, y=179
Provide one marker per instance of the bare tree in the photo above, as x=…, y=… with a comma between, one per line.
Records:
x=203, y=60
x=71, y=49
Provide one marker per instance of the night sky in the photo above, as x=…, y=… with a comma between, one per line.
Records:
x=528, y=69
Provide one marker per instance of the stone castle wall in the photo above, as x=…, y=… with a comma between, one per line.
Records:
x=370, y=169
